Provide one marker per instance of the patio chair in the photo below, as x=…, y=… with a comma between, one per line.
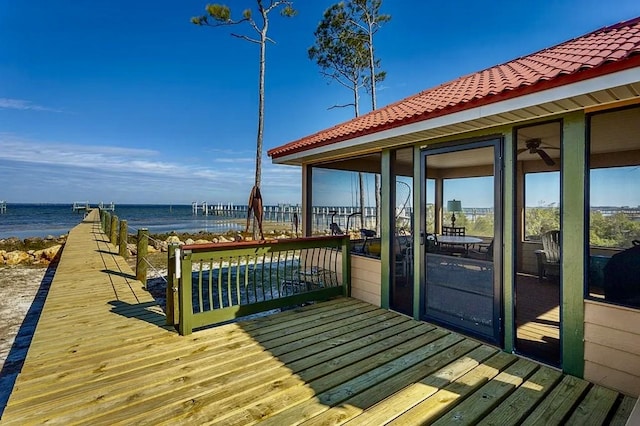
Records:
x=366, y=234
x=454, y=230
x=335, y=229
x=403, y=256
x=454, y=249
x=482, y=251
x=549, y=257
x=432, y=243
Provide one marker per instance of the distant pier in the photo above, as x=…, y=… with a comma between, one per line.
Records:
x=107, y=207
x=84, y=206
x=3, y=206
x=80, y=206
x=200, y=208
x=322, y=216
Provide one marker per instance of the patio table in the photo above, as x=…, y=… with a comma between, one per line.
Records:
x=458, y=239
x=461, y=240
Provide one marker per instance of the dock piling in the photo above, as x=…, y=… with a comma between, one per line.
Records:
x=141, y=255
x=113, y=235
x=122, y=240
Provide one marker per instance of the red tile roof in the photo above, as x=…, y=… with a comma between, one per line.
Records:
x=598, y=53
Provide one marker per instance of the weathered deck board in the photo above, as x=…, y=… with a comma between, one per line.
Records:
x=101, y=354
x=520, y=403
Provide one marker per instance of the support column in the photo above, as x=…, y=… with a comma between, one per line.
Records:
x=573, y=242
x=419, y=210
x=307, y=202
x=386, y=236
x=509, y=241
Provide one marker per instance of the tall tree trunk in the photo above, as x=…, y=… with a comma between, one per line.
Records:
x=260, y=137
x=356, y=106
x=263, y=49
x=372, y=70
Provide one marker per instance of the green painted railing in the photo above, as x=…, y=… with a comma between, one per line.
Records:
x=213, y=283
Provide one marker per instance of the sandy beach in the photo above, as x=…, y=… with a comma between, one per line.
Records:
x=23, y=290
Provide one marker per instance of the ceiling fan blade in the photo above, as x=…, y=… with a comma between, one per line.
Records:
x=545, y=157
x=521, y=150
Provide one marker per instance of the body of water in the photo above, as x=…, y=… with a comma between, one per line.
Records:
x=41, y=220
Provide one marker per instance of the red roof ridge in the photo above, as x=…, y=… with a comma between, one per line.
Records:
x=619, y=25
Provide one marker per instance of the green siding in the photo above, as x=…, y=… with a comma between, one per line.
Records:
x=573, y=243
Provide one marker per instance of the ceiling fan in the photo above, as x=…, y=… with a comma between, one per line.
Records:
x=533, y=146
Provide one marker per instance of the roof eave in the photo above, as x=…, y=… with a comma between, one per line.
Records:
x=563, y=87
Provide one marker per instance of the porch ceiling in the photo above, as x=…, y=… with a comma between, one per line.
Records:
x=601, y=91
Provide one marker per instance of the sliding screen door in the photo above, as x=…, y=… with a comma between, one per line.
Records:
x=461, y=239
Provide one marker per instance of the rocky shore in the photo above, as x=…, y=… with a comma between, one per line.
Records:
x=30, y=251
x=41, y=252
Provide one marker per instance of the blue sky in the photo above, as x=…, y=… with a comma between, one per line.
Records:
x=126, y=101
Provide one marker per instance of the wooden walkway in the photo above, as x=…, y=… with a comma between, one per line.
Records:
x=102, y=355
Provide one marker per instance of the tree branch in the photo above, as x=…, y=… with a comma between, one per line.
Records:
x=244, y=37
x=341, y=106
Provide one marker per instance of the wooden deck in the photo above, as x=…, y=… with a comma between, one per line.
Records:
x=102, y=355
x=538, y=319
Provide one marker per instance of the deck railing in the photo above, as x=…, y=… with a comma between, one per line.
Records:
x=213, y=283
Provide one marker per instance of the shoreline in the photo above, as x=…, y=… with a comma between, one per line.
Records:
x=39, y=220
x=40, y=251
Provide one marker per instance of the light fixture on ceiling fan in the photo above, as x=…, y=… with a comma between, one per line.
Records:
x=533, y=146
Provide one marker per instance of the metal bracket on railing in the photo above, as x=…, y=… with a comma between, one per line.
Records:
x=177, y=257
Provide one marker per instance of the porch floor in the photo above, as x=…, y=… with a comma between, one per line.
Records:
x=538, y=318
x=102, y=355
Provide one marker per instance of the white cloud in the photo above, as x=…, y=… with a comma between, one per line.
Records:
x=63, y=171
x=234, y=160
x=230, y=151
x=24, y=105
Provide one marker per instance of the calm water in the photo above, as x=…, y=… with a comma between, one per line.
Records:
x=40, y=220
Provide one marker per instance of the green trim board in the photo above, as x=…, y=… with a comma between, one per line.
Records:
x=508, y=238
x=386, y=229
x=572, y=223
x=418, y=252
x=207, y=318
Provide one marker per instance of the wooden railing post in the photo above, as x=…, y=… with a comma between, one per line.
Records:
x=172, y=283
x=113, y=236
x=346, y=266
x=122, y=240
x=184, y=295
x=141, y=255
